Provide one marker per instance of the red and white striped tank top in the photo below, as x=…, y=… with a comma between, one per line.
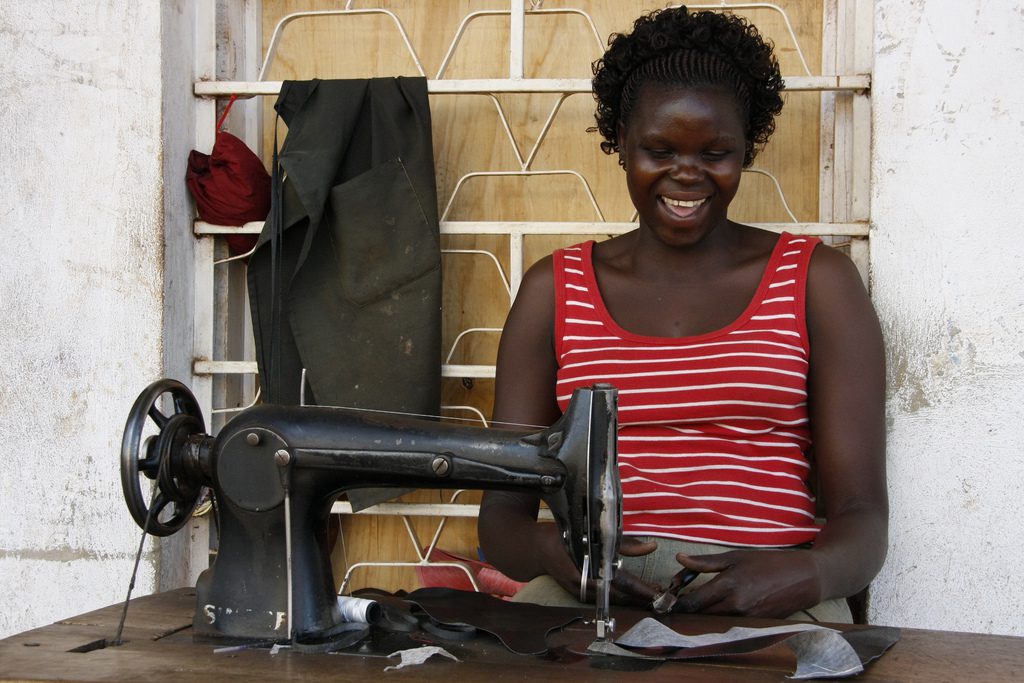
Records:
x=713, y=429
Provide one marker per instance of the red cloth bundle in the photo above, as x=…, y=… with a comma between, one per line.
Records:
x=230, y=187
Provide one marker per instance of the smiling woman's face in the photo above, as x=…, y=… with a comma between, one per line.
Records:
x=683, y=153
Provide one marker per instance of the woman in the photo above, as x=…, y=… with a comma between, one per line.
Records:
x=735, y=350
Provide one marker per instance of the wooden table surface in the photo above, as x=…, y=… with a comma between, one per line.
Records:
x=158, y=647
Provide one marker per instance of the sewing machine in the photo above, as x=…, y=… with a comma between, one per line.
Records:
x=275, y=471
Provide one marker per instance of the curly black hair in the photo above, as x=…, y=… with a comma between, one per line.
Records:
x=678, y=47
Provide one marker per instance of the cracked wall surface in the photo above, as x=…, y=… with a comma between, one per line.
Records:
x=948, y=282
x=81, y=294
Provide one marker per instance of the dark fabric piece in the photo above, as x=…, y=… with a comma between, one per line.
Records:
x=520, y=626
x=230, y=187
x=359, y=255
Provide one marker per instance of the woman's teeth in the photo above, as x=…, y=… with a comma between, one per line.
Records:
x=683, y=203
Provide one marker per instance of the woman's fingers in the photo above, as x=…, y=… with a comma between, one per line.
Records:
x=634, y=587
x=626, y=589
x=634, y=547
x=706, y=564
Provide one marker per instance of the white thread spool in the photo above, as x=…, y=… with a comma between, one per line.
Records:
x=358, y=610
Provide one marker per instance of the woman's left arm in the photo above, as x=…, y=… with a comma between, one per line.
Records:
x=846, y=389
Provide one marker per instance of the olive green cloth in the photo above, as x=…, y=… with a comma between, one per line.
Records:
x=345, y=281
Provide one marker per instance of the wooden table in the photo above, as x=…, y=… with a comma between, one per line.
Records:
x=159, y=648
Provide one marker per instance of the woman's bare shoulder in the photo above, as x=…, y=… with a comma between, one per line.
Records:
x=832, y=274
x=538, y=285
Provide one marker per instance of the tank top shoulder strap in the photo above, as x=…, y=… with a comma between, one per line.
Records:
x=786, y=281
x=571, y=270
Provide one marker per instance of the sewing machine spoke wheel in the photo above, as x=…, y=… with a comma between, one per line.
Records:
x=158, y=457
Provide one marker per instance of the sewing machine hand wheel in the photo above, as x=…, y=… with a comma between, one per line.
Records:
x=159, y=458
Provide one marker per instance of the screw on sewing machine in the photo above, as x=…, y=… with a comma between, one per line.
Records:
x=441, y=466
x=554, y=440
x=282, y=457
x=252, y=438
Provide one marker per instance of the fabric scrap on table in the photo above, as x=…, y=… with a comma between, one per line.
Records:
x=649, y=632
x=821, y=652
x=418, y=655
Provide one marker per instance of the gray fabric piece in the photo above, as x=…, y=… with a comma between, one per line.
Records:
x=649, y=632
x=607, y=647
x=418, y=655
x=821, y=652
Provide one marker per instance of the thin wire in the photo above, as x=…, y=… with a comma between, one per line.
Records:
x=441, y=417
x=344, y=547
x=135, y=570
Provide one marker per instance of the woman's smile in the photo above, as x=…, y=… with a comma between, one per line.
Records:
x=682, y=149
x=683, y=208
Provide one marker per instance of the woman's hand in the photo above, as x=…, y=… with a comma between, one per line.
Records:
x=626, y=588
x=756, y=583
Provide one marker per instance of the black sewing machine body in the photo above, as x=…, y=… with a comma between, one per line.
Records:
x=275, y=472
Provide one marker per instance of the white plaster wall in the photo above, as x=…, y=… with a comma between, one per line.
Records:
x=81, y=294
x=948, y=283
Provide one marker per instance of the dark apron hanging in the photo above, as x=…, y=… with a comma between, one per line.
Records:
x=346, y=278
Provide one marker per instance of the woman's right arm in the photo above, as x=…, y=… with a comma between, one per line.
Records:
x=524, y=394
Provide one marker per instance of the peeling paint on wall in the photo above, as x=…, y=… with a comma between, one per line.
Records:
x=948, y=282
x=81, y=294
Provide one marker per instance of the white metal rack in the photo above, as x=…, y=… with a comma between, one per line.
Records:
x=516, y=231
x=844, y=188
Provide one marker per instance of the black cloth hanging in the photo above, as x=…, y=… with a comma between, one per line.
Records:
x=346, y=277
